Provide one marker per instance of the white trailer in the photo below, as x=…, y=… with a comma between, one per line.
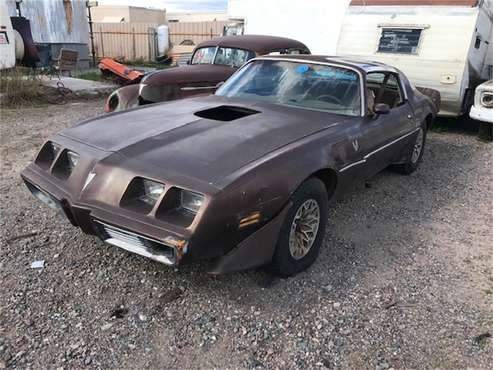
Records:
x=316, y=23
x=446, y=46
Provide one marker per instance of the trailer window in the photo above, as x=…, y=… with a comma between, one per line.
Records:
x=399, y=40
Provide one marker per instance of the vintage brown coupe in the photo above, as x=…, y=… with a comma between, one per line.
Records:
x=241, y=178
x=213, y=61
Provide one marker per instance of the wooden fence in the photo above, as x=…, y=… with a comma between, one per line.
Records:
x=132, y=41
x=129, y=41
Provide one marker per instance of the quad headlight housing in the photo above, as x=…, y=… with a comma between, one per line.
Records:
x=173, y=204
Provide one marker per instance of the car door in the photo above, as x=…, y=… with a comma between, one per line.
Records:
x=384, y=136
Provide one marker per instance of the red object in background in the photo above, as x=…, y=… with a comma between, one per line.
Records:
x=110, y=66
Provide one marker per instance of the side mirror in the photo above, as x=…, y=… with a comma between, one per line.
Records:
x=189, y=61
x=382, y=108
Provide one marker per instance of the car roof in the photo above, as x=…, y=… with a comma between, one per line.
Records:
x=259, y=43
x=363, y=65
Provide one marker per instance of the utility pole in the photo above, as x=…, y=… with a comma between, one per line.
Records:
x=89, y=5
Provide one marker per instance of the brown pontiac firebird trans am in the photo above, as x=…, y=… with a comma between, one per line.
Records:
x=241, y=178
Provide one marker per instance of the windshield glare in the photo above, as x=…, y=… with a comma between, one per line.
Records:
x=224, y=56
x=313, y=86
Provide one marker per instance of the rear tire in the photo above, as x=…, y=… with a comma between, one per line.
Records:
x=416, y=155
x=303, y=230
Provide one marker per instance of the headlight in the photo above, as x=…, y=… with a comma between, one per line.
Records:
x=142, y=194
x=47, y=154
x=72, y=159
x=487, y=99
x=191, y=201
x=54, y=149
x=65, y=164
x=141, y=87
x=151, y=191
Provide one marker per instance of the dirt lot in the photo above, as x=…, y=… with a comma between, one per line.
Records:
x=405, y=279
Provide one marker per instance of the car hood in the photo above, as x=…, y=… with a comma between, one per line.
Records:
x=189, y=73
x=170, y=136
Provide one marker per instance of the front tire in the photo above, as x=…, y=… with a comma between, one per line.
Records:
x=303, y=229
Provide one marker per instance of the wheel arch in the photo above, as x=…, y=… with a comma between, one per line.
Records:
x=329, y=177
x=429, y=120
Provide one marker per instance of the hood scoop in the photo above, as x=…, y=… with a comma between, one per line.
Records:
x=225, y=113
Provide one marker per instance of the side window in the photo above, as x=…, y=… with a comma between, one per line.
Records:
x=288, y=51
x=384, y=88
x=297, y=51
x=293, y=51
x=393, y=94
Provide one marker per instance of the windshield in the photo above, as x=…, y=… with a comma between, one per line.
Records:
x=305, y=85
x=224, y=56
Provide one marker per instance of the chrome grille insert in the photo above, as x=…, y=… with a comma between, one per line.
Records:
x=135, y=243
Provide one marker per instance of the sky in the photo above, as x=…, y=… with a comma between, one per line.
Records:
x=173, y=5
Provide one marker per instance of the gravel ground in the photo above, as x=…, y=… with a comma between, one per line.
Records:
x=405, y=279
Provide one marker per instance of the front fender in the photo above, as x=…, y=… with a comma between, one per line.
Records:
x=125, y=97
x=266, y=185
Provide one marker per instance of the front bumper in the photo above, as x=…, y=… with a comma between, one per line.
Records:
x=481, y=114
x=135, y=243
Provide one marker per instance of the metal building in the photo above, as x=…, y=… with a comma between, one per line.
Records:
x=56, y=24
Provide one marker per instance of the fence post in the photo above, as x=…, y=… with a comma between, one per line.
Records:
x=134, y=52
x=149, y=44
x=101, y=37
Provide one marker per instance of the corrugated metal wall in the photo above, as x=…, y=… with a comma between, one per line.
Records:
x=55, y=21
x=131, y=41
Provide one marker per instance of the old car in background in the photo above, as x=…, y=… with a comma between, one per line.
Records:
x=241, y=178
x=212, y=62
